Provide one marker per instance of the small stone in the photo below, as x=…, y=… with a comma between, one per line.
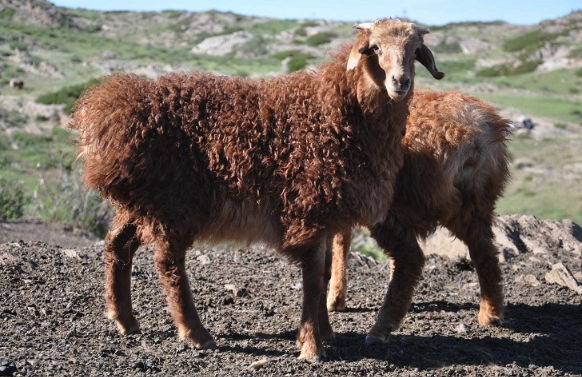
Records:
x=203, y=259
x=7, y=367
x=461, y=329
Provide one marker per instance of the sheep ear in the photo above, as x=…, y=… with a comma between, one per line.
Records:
x=425, y=57
x=361, y=46
x=365, y=25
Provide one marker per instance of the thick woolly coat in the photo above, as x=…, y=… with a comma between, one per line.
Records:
x=284, y=161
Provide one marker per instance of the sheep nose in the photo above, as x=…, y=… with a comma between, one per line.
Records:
x=403, y=83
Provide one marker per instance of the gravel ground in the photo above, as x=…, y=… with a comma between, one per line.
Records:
x=52, y=320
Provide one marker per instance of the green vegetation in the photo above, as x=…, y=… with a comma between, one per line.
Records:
x=564, y=110
x=509, y=69
x=37, y=172
x=12, y=199
x=447, y=48
x=298, y=59
x=466, y=24
x=65, y=200
x=548, y=195
x=67, y=95
x=529, y=42
x=319, y=39
x=13, y=118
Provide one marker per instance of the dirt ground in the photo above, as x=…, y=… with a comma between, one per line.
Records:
x=52, y=307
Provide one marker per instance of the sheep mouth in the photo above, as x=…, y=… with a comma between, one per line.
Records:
x=397, y=95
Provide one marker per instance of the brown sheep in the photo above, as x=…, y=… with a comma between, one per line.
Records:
x=288, y=162
x=455, y=168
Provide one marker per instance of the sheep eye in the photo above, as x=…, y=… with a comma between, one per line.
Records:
x=376, y=49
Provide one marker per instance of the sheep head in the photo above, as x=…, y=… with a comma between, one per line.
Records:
x=386, y=50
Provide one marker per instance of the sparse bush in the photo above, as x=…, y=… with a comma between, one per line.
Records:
x=508, y=69
x=12, y=199
x=67, y=95
x=447, y=48
x=575, y=53
x=320, y=38
x=529, y=42
x=13, y=117
x=66, y=200
x=526, y=67
x=298, y=59
x=302, y=32
x=7, y=13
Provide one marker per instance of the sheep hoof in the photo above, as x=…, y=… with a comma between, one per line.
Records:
x=208, y=345
x=311, y=356
x=127, y=326
x=489, y=319
x=328, y=335
x=336, y=305
x=371, y=339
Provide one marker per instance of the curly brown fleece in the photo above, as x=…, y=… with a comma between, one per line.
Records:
x=292, y=146
x=287, y=161
x=455, y=169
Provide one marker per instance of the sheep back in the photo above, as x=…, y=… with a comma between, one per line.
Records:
x=184, y=148
x=455, y=161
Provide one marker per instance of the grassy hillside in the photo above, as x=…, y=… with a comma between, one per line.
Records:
x=534, y=71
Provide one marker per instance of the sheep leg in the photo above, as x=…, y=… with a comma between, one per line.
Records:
x=406, y=262
x=324, y=326
x=120, y=247
x=338, y=285
x=170, y=263
x=479, y=238
x=309, y=335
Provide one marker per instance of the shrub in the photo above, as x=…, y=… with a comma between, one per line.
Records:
x=67, y=95
x=67, y=201
x=447, y=48
x=320, y=38
x=508, y=69
x=298, y=59
x=529, y=42
x=12, y=199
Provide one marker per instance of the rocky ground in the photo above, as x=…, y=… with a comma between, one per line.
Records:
x=52, y=319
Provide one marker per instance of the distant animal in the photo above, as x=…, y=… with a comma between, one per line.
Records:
x=16, y=83
x=455, y=169
x=288, y=162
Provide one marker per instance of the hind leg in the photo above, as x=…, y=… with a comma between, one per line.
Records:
x=478, y=236
x=309, y=336
x=170, y=263
x=120, y=247
x=406, y=263
x=324, y=326
x=336, y=296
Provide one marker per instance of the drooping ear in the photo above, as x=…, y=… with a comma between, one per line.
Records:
x=361, y=46
x=425, y=57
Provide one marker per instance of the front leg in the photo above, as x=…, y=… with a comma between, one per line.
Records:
x=338, y=285
x=309, y=335
x=406, y=263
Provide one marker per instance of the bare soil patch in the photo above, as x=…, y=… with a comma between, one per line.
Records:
x=52, y=307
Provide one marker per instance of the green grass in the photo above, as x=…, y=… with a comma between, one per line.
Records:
x=559, y=81
x=509, y=69
x=320, y=38
x=549, y=190
x=530, y=42
x=537, y=104
x=66, y=95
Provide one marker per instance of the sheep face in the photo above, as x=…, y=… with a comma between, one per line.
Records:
x=386, y=50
